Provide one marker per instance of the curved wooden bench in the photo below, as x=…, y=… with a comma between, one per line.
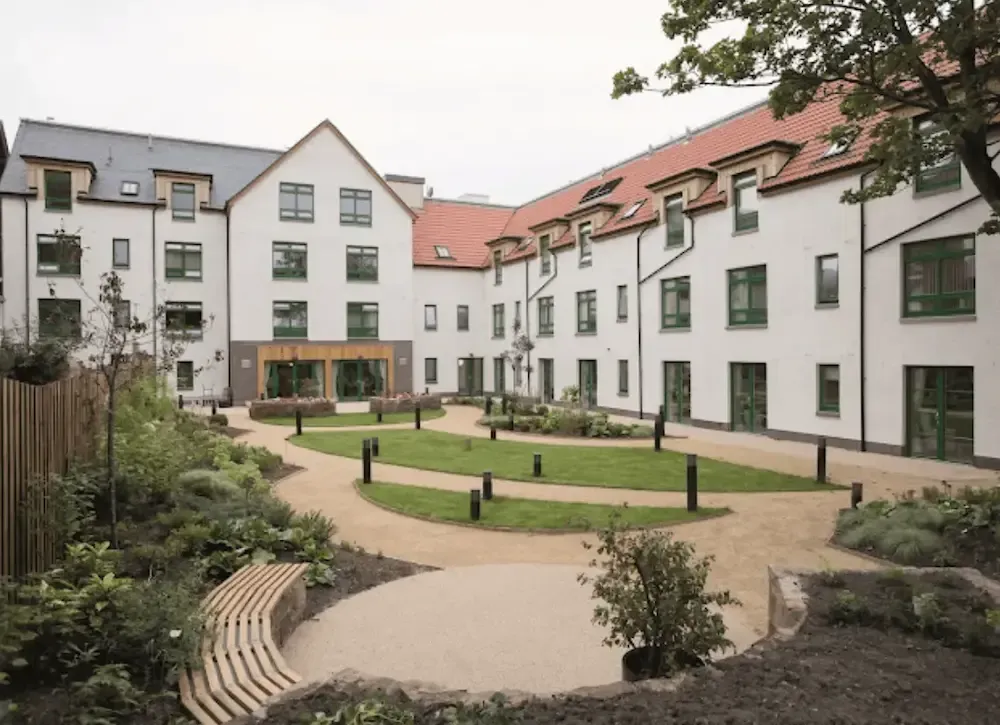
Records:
x=247, y=618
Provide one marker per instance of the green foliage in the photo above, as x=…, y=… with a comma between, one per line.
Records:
x=848, y=609
x=32, y=359
x=653, y=595
x=106, y=696
x=909, y=544
x=219, y=419
x=534, y=418
x=570, y=394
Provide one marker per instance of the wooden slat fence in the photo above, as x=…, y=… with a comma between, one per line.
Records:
x=43, y=429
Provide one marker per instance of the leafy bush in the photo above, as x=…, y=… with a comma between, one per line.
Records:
x=219, y=419
x=534, y=418
x=653, y=592
x=34, y=359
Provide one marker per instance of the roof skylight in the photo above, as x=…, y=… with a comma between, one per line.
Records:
x=442, y=252
x=633, y=209
x=838, y=147
x=130, y=188
x=603, y=189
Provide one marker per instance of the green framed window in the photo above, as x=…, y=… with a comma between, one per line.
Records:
x=58, y=190
x=430, y=317
x=748, y=296
x=182, y=200
x=745, y=202
x=673, y=212
x=58, y=254
x=499, y=375
x=121, y=315
x=517, y=315
x=828, y=382
x=184, y=318
x=362, y=320
x=121, y=254
x=586, y=246
x=296, y=202
x=622, y=300
x=675, y=303
x=586, y=311
x=498, y=320
x=59, y=318
x=939, y=277
x=356, y=207
x=827, y=279
x=289, y=260
x=623, y=377
x=462, y=318
x=183, y=260
x=497, y=267
x=362, y=264
x=546, y=316
x=185, y=375
x=430, y=370
x=290, y=319
x=946, y=174
x=544, y=255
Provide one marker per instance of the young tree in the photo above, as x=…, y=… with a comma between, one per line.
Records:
x=936, y=60
x=520, y=346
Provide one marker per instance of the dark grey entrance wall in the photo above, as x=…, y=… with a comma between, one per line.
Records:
x=243, y=363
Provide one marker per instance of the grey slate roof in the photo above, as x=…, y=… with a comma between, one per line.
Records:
x=122, y=156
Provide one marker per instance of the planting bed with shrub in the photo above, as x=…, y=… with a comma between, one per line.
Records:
x=567, y=422
x=404, y=403
x=286, y=407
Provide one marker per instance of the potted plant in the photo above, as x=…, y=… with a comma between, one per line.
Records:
x=654, y=602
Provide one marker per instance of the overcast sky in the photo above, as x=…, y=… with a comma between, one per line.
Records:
x=510, y=99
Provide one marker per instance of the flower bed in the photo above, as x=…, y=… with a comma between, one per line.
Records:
x=566, y=422
x=285, y=407
x=404, y=403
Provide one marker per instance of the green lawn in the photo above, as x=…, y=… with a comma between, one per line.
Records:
x=520, y=513
x=342, y=420
x=613, y=467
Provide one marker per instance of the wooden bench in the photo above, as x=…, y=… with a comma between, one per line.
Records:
x=247, y=618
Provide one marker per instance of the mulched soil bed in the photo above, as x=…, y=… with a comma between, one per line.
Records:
x=282, y=471
x=232, y=432
x=826, y=675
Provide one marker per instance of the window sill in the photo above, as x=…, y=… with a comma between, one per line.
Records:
x=622, y=394
x=971, y=317
x=748, y=326
x=184, y=279
x=369, y=281
x=60, y=211
x=295, y=219
x=182, y=218
x=289, y=279
x=497, y=337
x=827, y=305
x=934, y=192
x=462, y=329
x=354, y=224
x=545, y=334
x=122, y=269
x=622, y=319
x=586, y=333
x=828, y=413
x=675, y=329
x=588, y=263
x=430, y=382
x=430, y=329
x=744, y=232
x=42, y=273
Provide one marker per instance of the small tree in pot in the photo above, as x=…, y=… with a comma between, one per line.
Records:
x=654, y=601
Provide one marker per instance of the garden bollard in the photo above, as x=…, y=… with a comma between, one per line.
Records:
x=366, y=461
x=378, y=417
x=474, y=504
x=511, y=421
x=489, y=406
x=537, y=468
x=663, y=412
x=488, y=485
x=468, y=444
x=821, y=460
x=416, y=416
x=298, y=422
x=658, y=434
x=493, y=432
x=375, y=447
x=857, y=493
x=180, y=401
x=215, y=408
x=692, y=481
x=503, y=403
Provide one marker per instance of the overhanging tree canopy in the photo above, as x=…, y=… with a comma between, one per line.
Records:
x=891, y=63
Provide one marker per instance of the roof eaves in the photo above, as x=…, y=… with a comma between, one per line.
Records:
x=629, y=224
x=779, y=184
x=591, y=209
x=32, y=158
x=775, y=144
x=681, y=176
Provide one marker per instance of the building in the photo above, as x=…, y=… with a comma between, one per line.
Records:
x=718, y=276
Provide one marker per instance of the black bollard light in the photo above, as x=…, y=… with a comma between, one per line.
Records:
x=663, y=412
x=378, y=417
x=821, y=460
x=487, y=485
x=489, y=406
x=493, y=432
x=298, y=422
x=503, y=403
x=375, y=447
x=536, y=470
x=857, y=494
x=416, y=416
x=180, y=402
x=474, y=504
x=215, y=408
x=692, y=482
x=510, y=422
x=658, y=434
x=366, y=461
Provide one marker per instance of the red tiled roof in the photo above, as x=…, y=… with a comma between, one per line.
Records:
x=461, y=226
x=751, y=128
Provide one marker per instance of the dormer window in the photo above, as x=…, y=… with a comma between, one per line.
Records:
x=442, y=252
x=745, y=204
x=673, y=212
x=130, y=188
x=58, y=190
x=498, y=267
x=946, y=173
x=603, y=189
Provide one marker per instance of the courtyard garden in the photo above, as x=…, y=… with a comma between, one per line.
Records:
x=505, y=512
x=611, y=467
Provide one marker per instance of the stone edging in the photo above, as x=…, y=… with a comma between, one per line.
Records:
x=517, y=530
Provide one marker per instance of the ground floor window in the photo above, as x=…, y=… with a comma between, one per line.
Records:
x=430, y=370
x=587, y=380
x=940, y=404
x=623, y=377
x=677, y=392
x=748, y=397
x=291, y=379
x=499, y=375
x=829, y=389
x=360, y=379
x=185, y=375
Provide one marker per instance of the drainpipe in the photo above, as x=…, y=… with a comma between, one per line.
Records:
x=155, y=316
x=27, y=279
x=229, y=319
x=861, y=321
x=638, y=308
x=527, y=322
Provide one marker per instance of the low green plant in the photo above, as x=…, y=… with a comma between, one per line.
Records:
x=848, y=609
x=219, y=419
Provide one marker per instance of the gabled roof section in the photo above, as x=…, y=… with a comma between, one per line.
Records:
x=463, y=227
x=4, y=149
x=325, y=125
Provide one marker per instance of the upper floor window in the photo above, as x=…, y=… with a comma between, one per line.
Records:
x=674, y=212
x=295, y=201
x=944, y=175
x=939, y=277
x=430, y=317
x=828, y=389
x=58, y=254
x=183, y=260
x=184, y=318
x=517, y=315
x=120, y=254
x=586, y=311
x=498, y=267
x=356, y=207
x=362, y=320
x=545, y=254
x=675, y=303
x=290, y=319
x=546, y=316
x=182, y=200
x=58, y=190
x=585, y=244
x=362, y=264
x=59, y=318
x=185, y=375
x=463, y=317
x=745, y=205
x=827, y=279
x=121, y=314
x=748, y=296
x=289, y=260
x=622, y=303
x=498, y=320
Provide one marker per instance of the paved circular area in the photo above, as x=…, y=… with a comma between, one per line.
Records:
x=505, y=626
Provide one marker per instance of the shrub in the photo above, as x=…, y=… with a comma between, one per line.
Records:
x=653, y=591
x=219, y=419
x=909, y=544
x=214, y=485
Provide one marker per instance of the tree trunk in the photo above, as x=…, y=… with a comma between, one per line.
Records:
x=112, y=482
x=974, y=154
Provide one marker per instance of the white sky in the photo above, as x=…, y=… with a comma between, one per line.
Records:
x=509, y=98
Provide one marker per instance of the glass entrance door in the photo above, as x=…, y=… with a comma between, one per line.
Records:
x=939, y=413
x=748, y=397
x=360, y=379
x=588, y=382
x=546, y=369
x=470, y=376
x=293, y=379
x=677, y=391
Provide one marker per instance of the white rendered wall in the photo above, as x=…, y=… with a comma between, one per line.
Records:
x=447, y=289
